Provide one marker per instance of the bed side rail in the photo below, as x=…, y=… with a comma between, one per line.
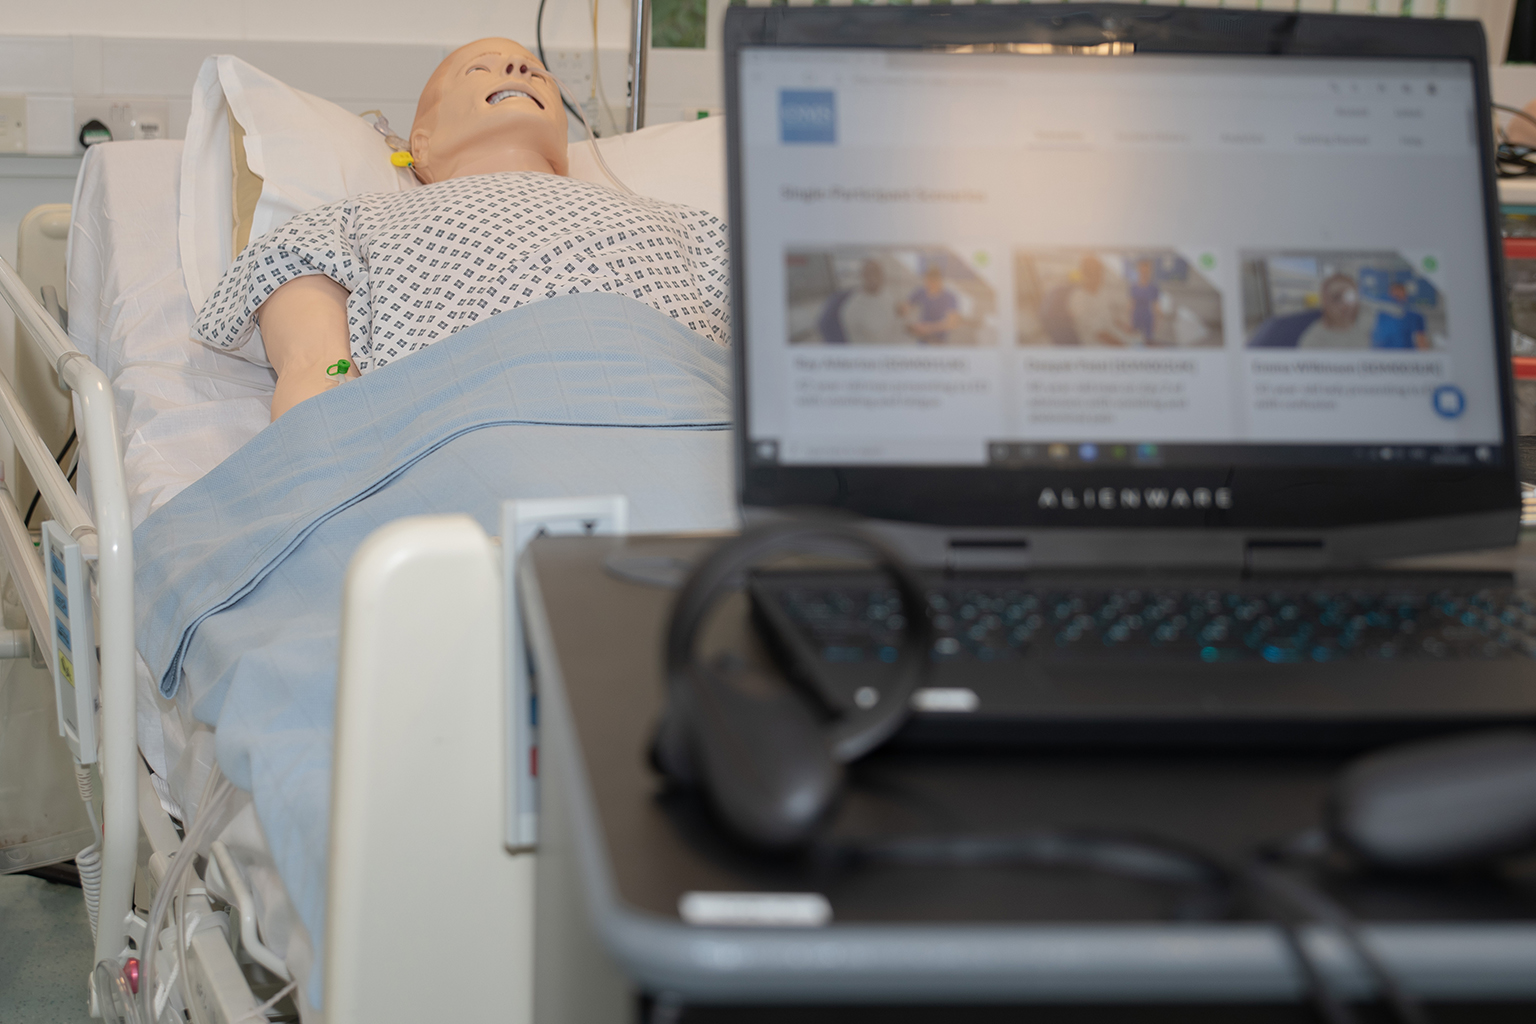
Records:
x=110, y=536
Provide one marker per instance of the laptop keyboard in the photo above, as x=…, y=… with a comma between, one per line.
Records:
x=996, y=622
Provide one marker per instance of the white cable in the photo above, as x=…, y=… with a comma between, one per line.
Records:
x=215, y=807
x=184, y=934
x=250, y=937
x=260, y=1013
x=164, y=995
x=88, y=860
x=598, y=92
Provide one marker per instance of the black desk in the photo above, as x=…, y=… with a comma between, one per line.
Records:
x=617, y=854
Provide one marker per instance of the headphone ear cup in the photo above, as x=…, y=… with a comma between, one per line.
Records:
x=764, y=756
x=672, y=745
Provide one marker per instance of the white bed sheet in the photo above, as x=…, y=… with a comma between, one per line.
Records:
x=183, y=408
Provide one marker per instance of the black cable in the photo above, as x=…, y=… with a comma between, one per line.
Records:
x=1512, y=159
x=1320, y=906
x=1286, y=901
x=1314, y=902
x=1516, y=111
x=1125, y=855
x=538, y=39
x=1325, y=1001
x=27, y=522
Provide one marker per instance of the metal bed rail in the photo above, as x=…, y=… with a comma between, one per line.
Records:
x=110, y=534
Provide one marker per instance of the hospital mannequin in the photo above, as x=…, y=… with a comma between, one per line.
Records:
x=467, y=122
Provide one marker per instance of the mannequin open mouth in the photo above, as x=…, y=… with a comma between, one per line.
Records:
x=507, y=94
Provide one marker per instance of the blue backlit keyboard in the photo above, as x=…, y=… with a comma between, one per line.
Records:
x=850, y=623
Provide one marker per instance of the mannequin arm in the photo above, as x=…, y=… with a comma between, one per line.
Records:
x=304, y=329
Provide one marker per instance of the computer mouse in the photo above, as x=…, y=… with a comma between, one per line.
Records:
x=1440, y=804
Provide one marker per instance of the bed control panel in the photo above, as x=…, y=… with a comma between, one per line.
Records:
x=72, y=640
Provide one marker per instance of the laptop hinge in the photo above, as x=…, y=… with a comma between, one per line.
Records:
x=1300, y=554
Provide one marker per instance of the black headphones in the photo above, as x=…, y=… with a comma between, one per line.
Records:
x=770, y=761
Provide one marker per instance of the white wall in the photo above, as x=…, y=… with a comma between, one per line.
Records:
x=566, y=22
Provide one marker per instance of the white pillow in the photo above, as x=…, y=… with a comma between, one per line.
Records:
x=307, y=151
x=681, y=162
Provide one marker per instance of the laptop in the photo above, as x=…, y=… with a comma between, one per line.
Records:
x=1149, y=334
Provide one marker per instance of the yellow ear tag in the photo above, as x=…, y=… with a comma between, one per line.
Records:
x=402, y=158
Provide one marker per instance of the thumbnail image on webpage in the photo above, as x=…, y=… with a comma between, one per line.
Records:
x=891, y=295
x=1342, y=300
x=1119, y=298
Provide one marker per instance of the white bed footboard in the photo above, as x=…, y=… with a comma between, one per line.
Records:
x=109, y=535
x=428, y=917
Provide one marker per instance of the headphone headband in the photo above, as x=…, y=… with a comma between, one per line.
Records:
x=862, y=729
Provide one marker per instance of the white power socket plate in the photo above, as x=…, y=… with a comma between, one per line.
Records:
x=521, y=521
x=128, y=117
x=574, y=69
x=13, y=124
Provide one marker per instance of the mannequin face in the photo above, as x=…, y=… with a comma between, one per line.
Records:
x=490, y=106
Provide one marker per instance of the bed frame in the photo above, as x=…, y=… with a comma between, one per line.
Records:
x=430, y=865
x=442, y=578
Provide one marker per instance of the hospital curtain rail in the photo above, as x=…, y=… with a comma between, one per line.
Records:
x=109, y=538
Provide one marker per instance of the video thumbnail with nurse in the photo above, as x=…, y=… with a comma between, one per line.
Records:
x=1342, y=300
x=889, y=295
x=1121, y=298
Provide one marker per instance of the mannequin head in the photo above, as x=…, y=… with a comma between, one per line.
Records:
x=468, y=122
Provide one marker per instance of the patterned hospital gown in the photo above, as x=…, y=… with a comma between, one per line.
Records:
x=427, y=262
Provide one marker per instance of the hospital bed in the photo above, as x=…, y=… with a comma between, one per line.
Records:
x=421, y=895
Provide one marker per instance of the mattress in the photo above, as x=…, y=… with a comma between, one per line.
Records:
x=183, y=409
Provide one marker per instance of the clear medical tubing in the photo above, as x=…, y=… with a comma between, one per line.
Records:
x=114, y=579
x=214, y=811
x=592, y=138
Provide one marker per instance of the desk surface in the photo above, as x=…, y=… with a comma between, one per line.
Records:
x=975, y=933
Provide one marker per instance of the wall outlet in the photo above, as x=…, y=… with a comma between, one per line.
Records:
x=13, y=124
x=126, y=117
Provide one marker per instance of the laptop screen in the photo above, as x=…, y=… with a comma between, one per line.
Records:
x=1016, y=260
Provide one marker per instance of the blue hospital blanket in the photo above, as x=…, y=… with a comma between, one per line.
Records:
x=239, y=579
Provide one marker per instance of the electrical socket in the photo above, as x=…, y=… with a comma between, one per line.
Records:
x=127, y=117
x=13, y=124
x=574, y=69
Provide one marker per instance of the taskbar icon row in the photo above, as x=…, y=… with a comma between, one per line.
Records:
x=1016, y=454
x=1026, y=454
